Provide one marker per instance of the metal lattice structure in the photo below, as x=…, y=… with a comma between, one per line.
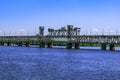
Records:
x=66, y=34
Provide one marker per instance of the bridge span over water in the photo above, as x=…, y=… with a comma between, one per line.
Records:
x=68, y=36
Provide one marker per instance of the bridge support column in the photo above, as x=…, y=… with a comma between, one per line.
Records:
x=77, y=45
x=49, y=44
x=20, y=44
x=9, y=44
x=1, y=43
x=42, y=44
x=103, y=46
x=69, y=45
x=112, y=47
x=27, y=44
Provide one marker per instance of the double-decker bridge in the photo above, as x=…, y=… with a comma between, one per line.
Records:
x=69, y=36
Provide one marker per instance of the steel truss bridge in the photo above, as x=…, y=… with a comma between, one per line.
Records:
x=70, y=35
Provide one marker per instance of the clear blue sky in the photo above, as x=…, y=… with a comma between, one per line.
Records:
x=95, y=16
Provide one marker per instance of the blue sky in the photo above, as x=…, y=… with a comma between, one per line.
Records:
x=22, y=17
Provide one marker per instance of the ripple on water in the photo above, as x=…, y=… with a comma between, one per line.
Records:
x=21, y=63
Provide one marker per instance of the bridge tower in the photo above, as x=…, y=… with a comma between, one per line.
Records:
x=69, y=37
x=49, y=41
x=70, y=33
x=77, y=33
x=41, y=37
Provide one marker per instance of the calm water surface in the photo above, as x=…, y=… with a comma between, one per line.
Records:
x=21, y=63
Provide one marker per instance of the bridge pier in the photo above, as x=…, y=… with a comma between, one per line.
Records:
x=20, y=44
x=1, y=43
x=49, y=44
x=69, y=45
x=103, y=46
x=9, y=44
x=112, y=47
x=77, y=45
x=42, y=44
x=27, y=44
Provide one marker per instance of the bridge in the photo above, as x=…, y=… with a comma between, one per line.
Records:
x=69, y=36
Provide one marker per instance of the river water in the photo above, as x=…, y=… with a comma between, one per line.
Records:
x=58, y=63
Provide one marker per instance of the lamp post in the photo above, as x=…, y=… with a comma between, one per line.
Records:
x=0, y=33
x=109, y=31
x=116, y=32
x=97, y=31
x=102, y=31
x=86, y=32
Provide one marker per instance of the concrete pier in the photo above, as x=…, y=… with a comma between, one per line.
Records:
x=1, y=43
x=49, y=44
x=20, y=44
x=77, y=45
x=9, y=44
x=103, y=46
x=27, y=44
x=112, y=47
x=42, y=44
x=69, y=45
